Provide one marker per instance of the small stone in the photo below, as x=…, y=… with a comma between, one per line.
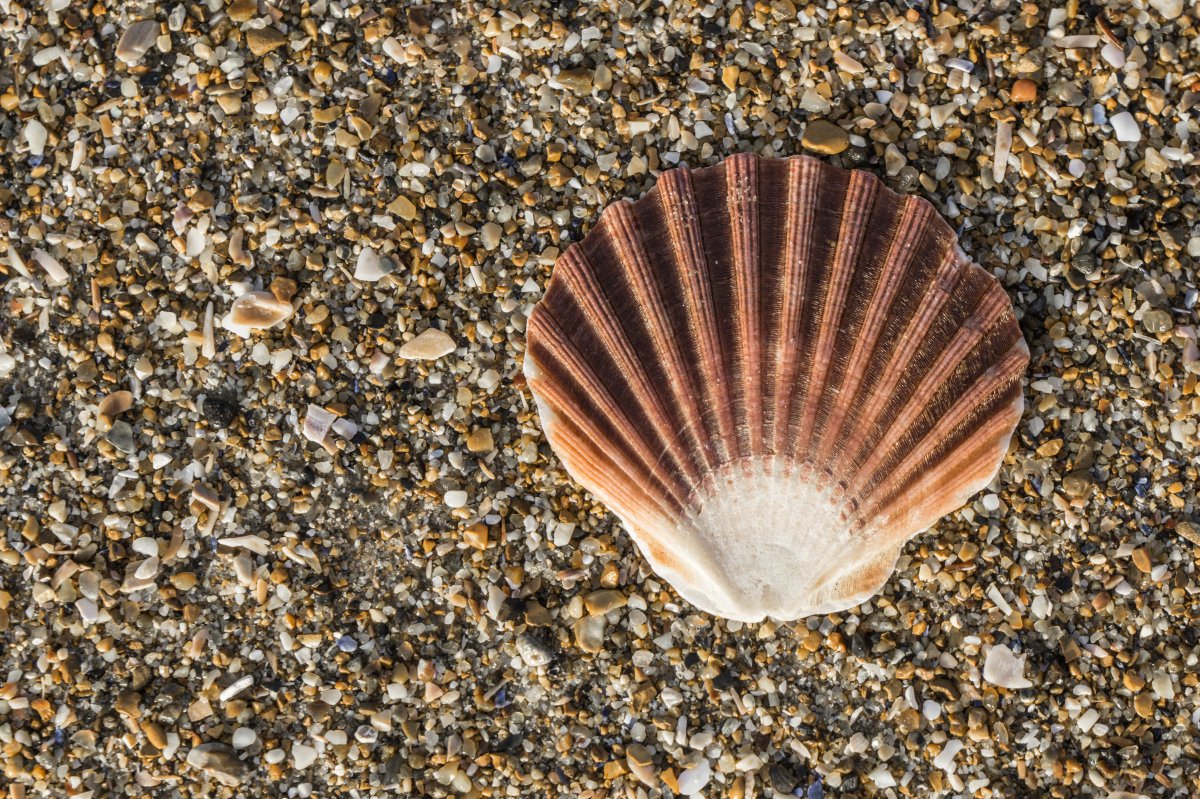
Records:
x=1125, y=127
x=641, y=763
x=693, y=780
x=1078, y=484
x=782, y=778
x=1005, y=669
x=283, y=289
x=263, y=40
x=1170, y=9
x=155, y=735
x=1189, y=531
x=1024, y=91
x=35, y=136
x=489, y=236
x=243, y=737
x=429, y=345
x=303, y=756
x=589, y=633
x=370, y=266
x=317, y=421
x=128, y=704
x=825, y=137
x=114, y=405
x=945, y=758
x=480, y=440
x=257, y=310
x=456, y=499
x=219, y=761
x=242, y=10
x=476, y=535
x=1158, y=321
x=577, y=80
x=218, y=411
x=601, y=602
x=1143, y=705
x=137, y=40
x=121, y=437
x=534, y=651
x=1141, y=559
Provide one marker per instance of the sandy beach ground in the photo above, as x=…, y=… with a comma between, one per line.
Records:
x=197, y=599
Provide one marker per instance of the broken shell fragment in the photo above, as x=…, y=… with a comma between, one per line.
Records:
x=775, y=372
x=54, y=269
x=430, y=345
x=317, y=422
x=136, y=41
x=1001, y=667
x=370, y=266
x=256, y=310
x=114, y=405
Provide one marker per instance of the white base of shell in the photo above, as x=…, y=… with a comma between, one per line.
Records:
x=764, y=541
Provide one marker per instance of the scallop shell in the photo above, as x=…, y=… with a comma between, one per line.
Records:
x=775, y=372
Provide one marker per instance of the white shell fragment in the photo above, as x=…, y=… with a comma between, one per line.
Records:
x=54, y=269
x=1005, y=669
x=35, y=135
x=256, y=310
x=1125, y=127
x=430, y=345
x=317, y=421
x=370, y=266
x=137, y=40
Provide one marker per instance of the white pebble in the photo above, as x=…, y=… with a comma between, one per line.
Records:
x=243, y=737
x=370, y=266
x=945, y=758
x=303, y=756
x=693, y=780
x=456, y=499
x=236, y=688
x=430, y=345
x=1125, y=127
x=1005, y=669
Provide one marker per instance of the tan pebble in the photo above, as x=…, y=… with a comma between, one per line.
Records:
x=114, y=405
x=1143, y=705
x=729, y=76
x=430, y=345
x=128, y=704
x=284, y=288
x=476, y=535
x=601, y=602
x=613, y=769
x=1050, y=448
x=1188, y=531
x=1132, y=681
x=611, y=576
x=1141, y=559
x=259, y=310
x=1024, y=91
x=263, y=40
x=184, y=581
x=589, y=633
x=154, y=734
x=825, y=138
x=242, y=10
x=480, y=440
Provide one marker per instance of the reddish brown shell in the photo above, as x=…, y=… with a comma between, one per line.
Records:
x=775, y=372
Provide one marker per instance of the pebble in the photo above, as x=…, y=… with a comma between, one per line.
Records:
x=1170, y=9
x=694, y=780
x=480, y=440
x=1125, y=127
x=429, y=345
x=534, y=651
x=370, y=266
x=456, y=499
x=1024, y=91
x=641, y=764
x=36, y=136
x=303, y=756
x=120, y=435
x=137, y=40
x=258, y=310
x=824, y=137
x=219, y=761
x=1004, y=669
x=243, y=737
x=264, y=40
x=589, y=633
x=600, y=602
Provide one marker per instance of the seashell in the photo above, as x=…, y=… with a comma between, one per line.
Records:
x=775, y=372
x=113, y=405
x=257, y=310
x=137, y=40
